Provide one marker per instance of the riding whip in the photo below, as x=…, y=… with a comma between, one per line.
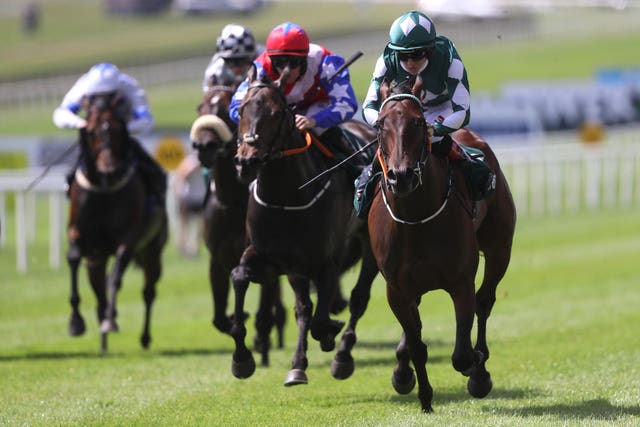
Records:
x=37, y=179
x=315, y=178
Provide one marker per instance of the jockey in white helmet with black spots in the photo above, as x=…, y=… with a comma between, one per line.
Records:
x=106, y=78
x=235, y=51
x=322, y=101
x=415, y=48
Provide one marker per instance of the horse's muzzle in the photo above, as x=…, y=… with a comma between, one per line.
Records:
x=402, y=182
x=246, y=168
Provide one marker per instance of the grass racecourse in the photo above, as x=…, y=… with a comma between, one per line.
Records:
x=563, y=337
x=563, y=333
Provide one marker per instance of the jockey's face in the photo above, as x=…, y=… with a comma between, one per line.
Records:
x=413, y=61
x=294, y=63
x=238, y=66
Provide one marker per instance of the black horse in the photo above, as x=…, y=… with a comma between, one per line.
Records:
x=225, y=209
x=425, y=237
x=297, y=232
x=111, y=214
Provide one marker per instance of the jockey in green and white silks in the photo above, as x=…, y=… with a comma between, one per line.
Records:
x=415, y=48
x=445, y=99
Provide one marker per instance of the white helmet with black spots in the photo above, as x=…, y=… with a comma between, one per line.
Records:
x=102, y=78
x=236, y=41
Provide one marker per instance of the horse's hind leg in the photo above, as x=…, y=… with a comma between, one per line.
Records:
x=76, y=322
x=343, y=365
x=265, y=320
x=279, y=314
x=152, y=273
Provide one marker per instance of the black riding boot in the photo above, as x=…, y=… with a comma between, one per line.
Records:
x=154, y=177
x=482, y=180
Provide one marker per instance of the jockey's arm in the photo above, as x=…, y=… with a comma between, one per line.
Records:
x=458, y=87
x=141, y=119
x=371, y=104
x=342, y=99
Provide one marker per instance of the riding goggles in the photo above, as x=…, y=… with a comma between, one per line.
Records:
x=281, y=62
x=237, y=62
x=416, y=55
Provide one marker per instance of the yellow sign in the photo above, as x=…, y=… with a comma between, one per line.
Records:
x=170, y=152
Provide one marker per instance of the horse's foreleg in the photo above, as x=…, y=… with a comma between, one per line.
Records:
x=303, y=310
x=219, y=282
x=323, y=328
x=96, y=270
x=407, y=313
x=114, y=282
x=152, y=273
x=242, y=365
x=76, y=322
x=465, y=359
x=343, y=365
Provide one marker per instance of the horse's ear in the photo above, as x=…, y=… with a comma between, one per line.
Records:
x=416, y=89
x=283, y=78
x=252, y=73
x=384, y=90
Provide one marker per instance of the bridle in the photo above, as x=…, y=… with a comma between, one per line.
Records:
x=285, y=129
x=105, y=144
x=417, y=170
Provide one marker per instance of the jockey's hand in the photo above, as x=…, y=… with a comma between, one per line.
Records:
x=81, y=124
x=303, y=122
x=430, y=130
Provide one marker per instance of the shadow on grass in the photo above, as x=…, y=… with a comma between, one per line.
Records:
x=595, y=409
x=53, y=355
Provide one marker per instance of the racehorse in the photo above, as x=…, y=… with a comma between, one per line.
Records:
x=225, y=209
x=425, y=237
x=111, y=214
x=297, y=232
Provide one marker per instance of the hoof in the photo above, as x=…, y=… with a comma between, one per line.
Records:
x=328, y=343
x=296, y=377
x=145, y=340
x=109, y=326
x=243, y=369
x=76, y=326
x=403, y=385
x=480, y=389
x=341, y=370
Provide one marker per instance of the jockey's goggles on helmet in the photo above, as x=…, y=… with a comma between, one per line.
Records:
x=237, y=62
x=414, y=55
x=281, y=61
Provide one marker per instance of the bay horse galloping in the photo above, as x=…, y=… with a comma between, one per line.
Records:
x=225, y=210
x=424, y=237
x=301, y=233
x=111, y=214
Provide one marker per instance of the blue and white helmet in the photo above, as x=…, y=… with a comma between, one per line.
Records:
x=102, y=78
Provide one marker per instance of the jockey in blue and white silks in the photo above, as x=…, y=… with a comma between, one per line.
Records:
x=322, y=100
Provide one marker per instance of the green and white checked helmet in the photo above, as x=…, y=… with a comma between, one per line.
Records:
x=412, y=31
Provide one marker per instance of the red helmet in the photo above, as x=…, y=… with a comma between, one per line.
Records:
x=288, y=39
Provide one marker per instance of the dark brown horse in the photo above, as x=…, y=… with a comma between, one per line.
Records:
x=424, y=237
x=225, y=210
x=297, y=232
x=111, y=214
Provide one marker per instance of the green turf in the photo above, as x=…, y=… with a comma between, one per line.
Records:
x=563, y=340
